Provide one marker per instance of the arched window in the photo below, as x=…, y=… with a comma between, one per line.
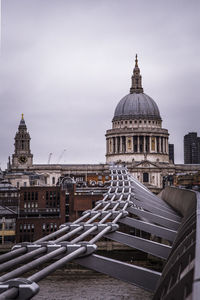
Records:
x=145, y=177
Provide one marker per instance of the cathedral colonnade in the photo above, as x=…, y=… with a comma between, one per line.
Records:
x=122, y=144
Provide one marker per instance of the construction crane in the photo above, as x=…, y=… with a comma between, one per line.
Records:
x=49, y=158
x=61, y=155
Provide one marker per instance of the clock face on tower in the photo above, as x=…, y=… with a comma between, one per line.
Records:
x=22, y=159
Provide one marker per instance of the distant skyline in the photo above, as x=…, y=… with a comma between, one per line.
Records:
x=66, y=64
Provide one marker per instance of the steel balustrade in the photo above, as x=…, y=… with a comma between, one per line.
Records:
x=126, y=202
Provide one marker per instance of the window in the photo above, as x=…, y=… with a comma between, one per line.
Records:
x=53, y=180
x=58, y=196
x=25, y=196
x=145, y=177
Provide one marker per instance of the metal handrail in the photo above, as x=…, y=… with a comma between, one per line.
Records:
x=101, y=221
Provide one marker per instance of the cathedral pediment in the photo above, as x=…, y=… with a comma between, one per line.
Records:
x=146, y=164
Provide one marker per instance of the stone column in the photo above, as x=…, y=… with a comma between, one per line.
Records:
x=164, y=145
x=118, y=145
x=112, y=146
x=107, y=146
x=144, y=144
x=155, y=144
x=167, y=146
x=138, y=144
x=160, y=144
x=150, y=144
x=115, y=145
x=120, y=149
x=125, y=147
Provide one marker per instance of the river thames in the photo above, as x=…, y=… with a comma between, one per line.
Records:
x=88, y=286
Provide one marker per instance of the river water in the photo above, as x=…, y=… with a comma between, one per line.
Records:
x=88, y=286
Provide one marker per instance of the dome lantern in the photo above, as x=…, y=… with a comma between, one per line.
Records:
x=136, y=79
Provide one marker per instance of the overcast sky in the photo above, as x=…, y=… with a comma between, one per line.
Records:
x=66, y=64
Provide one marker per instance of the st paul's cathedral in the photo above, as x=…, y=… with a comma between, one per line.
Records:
x=136, y=139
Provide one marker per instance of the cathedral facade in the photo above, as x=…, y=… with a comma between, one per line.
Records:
x=136, y=139
x=137, y=132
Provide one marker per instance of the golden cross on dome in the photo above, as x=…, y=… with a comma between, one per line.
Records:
x=22, y=116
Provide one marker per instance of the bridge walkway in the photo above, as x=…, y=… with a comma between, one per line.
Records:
x=126, y=202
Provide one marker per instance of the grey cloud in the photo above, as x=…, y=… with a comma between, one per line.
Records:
x=66, y=64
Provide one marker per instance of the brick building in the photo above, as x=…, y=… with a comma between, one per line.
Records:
x=41, y=211
x=9, y=195
x=79, y=199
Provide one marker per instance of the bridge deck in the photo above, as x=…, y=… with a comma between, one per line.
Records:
x=126, y=202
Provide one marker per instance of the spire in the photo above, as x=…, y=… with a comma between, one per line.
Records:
x=136, y=61
x=136, y=79
x=22, y=122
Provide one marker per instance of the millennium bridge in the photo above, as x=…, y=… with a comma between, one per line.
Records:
x=171, y=221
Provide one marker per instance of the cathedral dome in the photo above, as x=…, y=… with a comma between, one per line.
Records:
x=137, y=106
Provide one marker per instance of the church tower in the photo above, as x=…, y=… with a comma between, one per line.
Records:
x=22, y=157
